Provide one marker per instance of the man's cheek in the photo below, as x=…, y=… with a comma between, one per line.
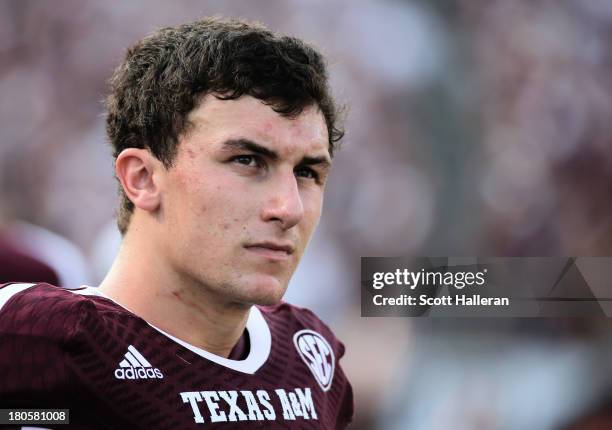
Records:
x=310, y=222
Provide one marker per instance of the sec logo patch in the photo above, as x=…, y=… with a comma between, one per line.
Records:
x=318, y=356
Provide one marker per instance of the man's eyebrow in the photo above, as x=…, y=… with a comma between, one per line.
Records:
x=249, y=145
x=322, y=161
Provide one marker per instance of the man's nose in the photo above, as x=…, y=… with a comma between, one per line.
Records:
x=284, y=204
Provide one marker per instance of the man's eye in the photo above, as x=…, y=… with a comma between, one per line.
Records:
x=306, y=172
x=247, y=160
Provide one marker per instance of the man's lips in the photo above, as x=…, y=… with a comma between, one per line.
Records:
x=273, y=250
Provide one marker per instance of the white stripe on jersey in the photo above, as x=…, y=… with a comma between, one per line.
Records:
x=259, y=334
x=132, y=360
x=138, y=356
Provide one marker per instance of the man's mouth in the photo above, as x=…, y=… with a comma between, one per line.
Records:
x=271, y=250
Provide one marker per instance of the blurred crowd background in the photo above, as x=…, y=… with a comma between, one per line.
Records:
x=474, y=128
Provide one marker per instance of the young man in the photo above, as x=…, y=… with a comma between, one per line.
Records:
x=223, y=135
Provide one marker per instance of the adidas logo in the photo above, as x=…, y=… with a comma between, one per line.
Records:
x=135, y=366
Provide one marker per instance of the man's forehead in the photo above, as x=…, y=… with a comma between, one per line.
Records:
x=249, y=118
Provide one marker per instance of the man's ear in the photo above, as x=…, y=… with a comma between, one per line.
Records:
x=138, y=172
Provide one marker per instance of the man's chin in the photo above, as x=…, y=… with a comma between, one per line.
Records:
x=266, y=292
x=268, y=301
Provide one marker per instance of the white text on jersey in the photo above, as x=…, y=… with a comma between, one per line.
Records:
x=223, y=405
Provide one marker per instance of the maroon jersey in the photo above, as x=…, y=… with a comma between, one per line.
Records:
x=78, y=350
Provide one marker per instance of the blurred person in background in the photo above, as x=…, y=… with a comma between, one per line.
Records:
x=223, y=134
x=17, y=265
x=30, y=253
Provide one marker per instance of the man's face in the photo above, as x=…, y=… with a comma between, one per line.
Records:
x=243, y=197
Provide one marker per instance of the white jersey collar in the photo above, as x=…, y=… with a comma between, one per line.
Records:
x=257, y=327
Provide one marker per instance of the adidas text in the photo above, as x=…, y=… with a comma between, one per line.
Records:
x=135, y=366
x=138, y=373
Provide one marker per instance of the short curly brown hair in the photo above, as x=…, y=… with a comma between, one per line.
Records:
x=164, y=75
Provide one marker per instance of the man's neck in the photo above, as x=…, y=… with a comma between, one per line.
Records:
x=179, y=307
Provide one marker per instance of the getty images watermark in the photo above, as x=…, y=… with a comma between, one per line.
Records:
x=491, y=287
x=413, y=280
